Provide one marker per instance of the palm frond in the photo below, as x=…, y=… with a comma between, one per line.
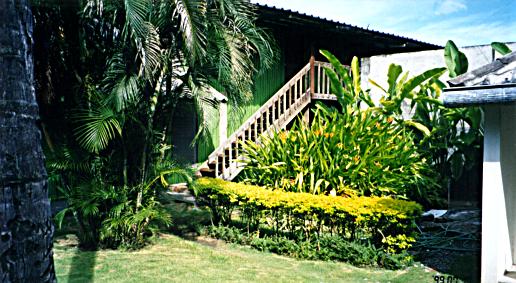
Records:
x=143, y=34
x=64, y=159
x=206, y=107
x=151, y=51
x=237, y=49
x=123, y=86
x=97, y=127
x=233, y=67
x=192, y=18
x=136, y=13
x=230, y=8
x=258, y=41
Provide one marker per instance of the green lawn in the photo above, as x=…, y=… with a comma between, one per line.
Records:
x=172, y=259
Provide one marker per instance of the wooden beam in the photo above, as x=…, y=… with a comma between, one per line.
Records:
x=323, y=96
x=479, y=95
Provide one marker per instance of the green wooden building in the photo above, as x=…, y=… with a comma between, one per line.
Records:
x=298, y=36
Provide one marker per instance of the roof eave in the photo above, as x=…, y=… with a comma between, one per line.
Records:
x=339, y=26
x=494, y=66
x=479, y=95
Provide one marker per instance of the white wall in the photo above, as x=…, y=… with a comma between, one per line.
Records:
x=494, y=219
x=508, y=165
x=499, y=192
x=376, y=67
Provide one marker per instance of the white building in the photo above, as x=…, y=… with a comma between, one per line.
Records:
x=493, y=86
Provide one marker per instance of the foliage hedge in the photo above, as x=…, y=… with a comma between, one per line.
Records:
x=386, y=222
x=326, y=248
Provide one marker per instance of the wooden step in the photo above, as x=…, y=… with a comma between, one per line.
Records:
x=206, y=170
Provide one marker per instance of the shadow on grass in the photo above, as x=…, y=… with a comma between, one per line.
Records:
x=82, y=266
x=188, y=221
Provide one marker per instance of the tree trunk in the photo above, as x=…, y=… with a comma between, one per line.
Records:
x=25, y=220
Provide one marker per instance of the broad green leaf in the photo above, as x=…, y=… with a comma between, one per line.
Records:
x=317, y=187
x=388, y=104
x=342, y=94
x=501, y=48
x=455, y=60
x=377, y=85
x=339, y=67
x=422, y=128
x=392, y=76
x=457, y=165
x=163, y=180
x=355, y=71
x=367, y=99
x=60, y=216
x=474, y=115
x=429, y=100
x=414, y=82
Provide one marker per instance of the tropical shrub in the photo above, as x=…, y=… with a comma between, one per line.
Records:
x=106, y=214
x=109, y=218
x=454, y=143
x=449, y=139
x=359, y=151
x=387, y=223
x=425, y=124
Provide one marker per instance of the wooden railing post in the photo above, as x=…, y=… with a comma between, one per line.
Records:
x=223, y=122
x=312, y=73
x=223, y=115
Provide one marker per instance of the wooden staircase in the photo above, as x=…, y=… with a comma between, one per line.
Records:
x=309, y=83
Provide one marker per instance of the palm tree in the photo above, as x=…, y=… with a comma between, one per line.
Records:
x=167, y=49
x=25, y=226
x=122, y=67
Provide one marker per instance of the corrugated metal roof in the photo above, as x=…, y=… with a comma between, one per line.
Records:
x=345, y=25
x=500, y=71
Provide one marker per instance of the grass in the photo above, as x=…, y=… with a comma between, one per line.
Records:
x=173, y=259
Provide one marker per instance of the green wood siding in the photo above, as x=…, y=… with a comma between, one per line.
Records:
x=265, y=85
x=204, y=149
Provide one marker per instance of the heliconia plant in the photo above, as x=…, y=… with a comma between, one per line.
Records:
x=453, y=145
x=359, y=152
x=346, y=86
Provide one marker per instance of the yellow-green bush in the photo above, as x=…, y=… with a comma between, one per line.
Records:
x=386, y=222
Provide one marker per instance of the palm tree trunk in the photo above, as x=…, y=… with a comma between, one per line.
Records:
x=148, y=137
x=26, y=228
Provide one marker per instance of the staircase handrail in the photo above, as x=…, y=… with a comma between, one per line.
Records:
x=258, y=112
